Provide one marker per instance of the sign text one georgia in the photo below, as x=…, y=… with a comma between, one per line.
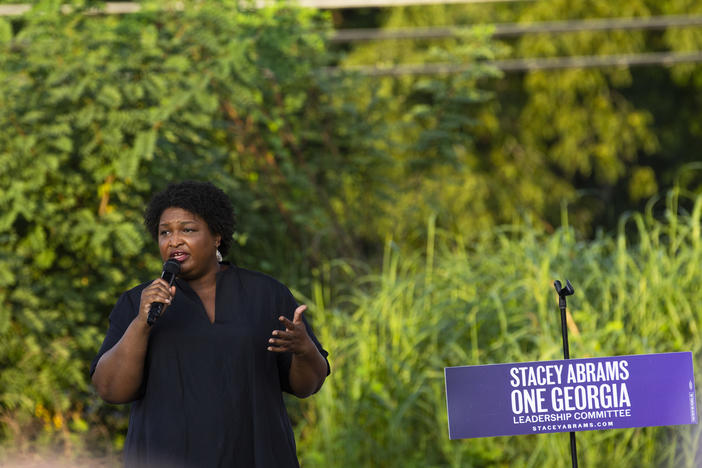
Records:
x=571, y=395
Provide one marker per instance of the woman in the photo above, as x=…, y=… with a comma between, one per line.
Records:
x=206, y=379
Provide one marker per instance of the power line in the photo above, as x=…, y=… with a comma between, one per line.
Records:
x=531, y=64
x=362, y=34
x=342, y=4
x=500, y=30
x=110, y=8
x=518, y=29
x=117, y=8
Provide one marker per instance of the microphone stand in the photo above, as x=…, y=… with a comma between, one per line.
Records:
x=562, y=293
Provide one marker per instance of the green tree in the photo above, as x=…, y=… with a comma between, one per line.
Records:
x=599, y=139
x=98, y=112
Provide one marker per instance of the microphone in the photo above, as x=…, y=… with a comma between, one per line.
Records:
x=170, y=269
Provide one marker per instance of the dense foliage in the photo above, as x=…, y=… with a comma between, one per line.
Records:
x=601, y=139
x=99, y=111
x=490, y=299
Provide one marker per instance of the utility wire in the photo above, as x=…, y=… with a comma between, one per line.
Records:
x=342, y=4
x=118, y=8
x=518, y=29
x=531, y=64
x=500, y=30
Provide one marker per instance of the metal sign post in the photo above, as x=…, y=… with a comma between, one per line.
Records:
x=562, y=293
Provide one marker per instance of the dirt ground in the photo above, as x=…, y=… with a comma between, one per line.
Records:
x=47, y=461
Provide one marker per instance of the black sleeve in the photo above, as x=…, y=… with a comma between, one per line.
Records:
x=120, y=318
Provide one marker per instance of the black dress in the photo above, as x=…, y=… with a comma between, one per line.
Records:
x=211, y=394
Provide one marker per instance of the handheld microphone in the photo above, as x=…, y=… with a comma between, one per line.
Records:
x=170, y=269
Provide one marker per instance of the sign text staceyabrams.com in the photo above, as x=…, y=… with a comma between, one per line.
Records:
x=571, y=395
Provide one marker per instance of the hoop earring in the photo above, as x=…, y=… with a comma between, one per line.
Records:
x=219, y=256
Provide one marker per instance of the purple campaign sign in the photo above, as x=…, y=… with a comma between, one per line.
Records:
x=570, y=395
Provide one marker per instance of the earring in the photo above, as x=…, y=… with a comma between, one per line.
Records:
x=219, y=256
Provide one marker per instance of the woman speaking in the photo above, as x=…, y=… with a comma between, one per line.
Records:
x=206, y=377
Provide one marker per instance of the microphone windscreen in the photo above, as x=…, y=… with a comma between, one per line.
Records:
x=172, y=266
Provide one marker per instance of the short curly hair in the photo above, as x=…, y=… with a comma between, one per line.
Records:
x=201, y=198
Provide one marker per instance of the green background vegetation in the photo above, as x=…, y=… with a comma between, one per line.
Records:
x=422, y=218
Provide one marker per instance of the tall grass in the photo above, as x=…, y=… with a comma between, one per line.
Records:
x=490, y=300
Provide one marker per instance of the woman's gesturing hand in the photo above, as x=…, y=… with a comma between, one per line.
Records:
x=294, y=338
x=308, y=368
